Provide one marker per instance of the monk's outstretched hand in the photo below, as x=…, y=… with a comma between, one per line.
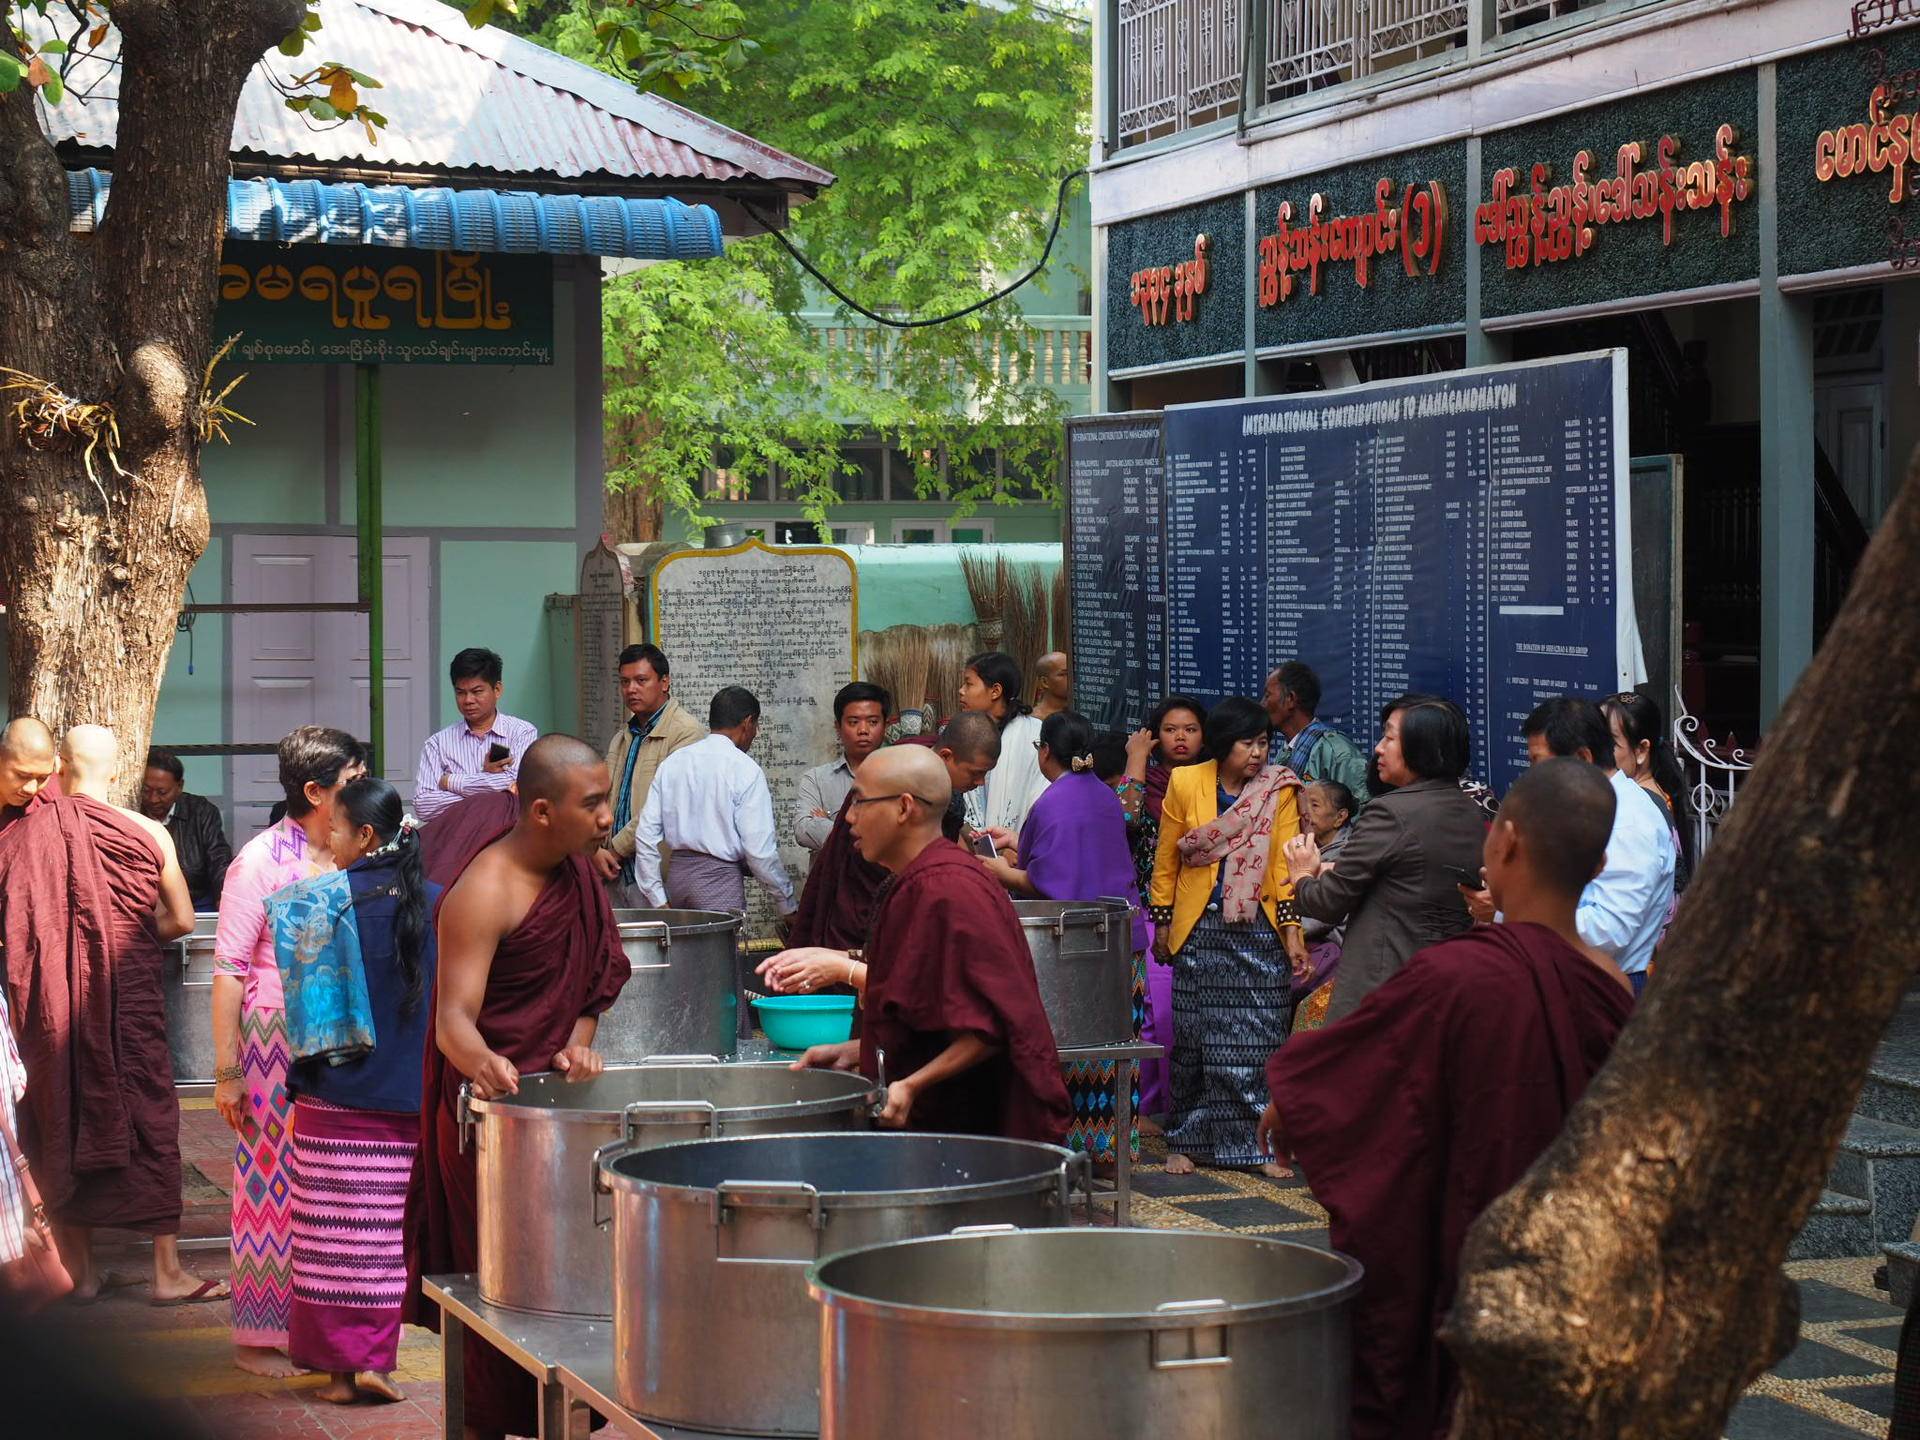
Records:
x=578, y=1063
x=843, y=1056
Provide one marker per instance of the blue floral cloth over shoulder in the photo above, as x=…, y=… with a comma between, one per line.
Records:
x=316, y=943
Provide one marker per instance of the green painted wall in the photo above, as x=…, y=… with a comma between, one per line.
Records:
x=492, y=593
x=274, y=472
x=192, y=709
x=479, y=445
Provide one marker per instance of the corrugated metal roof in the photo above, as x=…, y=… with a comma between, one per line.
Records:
x=457, y=99
x=308, y=212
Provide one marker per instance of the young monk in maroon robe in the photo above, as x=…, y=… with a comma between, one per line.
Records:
x=1412, y=1114
x=92, y=894
x=27, y=768
x=529, y=958
x=950, y=991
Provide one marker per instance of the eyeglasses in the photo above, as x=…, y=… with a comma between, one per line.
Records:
x=1039, y=745
x=857, y=801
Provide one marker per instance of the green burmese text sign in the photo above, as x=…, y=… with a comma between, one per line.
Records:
x=318, y=304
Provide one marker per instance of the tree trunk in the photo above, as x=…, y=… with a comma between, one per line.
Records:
x=632, y=517
x=95, y=553
x=1630, y=1284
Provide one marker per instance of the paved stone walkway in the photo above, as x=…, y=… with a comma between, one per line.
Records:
x=1837, y=1384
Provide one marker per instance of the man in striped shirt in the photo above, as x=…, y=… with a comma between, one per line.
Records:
x=482, y=751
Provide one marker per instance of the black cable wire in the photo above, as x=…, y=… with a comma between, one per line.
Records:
x=1059, y=213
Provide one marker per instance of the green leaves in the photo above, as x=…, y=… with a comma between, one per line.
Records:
x=11, y=73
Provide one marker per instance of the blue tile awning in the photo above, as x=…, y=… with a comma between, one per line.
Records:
x=310, y=212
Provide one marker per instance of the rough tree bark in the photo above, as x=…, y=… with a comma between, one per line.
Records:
x=95, y=566
x=1630, y=1284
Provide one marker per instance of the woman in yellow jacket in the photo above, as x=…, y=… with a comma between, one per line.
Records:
x=1223, y=909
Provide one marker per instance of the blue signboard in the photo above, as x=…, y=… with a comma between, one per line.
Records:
x=1464, y=534
x=1116, y=567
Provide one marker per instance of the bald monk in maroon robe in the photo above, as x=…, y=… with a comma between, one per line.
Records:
x=529, y=958
x=949, y=985
x=28, y=766
x=91, y=894
x=1415, y=1112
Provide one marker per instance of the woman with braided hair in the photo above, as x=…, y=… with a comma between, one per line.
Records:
x=356, y=1121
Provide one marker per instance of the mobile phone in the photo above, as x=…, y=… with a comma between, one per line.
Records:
x=983, y=846
x=497, y=752
x=1463, y=876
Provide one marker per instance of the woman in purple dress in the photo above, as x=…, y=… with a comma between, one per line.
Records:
x=1073, y=846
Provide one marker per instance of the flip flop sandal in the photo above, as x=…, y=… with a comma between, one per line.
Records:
x=202, y=1295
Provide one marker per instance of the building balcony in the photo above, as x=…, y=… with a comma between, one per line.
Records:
x=1181, y=65
x=1054, y=352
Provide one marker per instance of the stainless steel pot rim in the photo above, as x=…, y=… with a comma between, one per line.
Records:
x=508, y=1106
x=899, y=1311
x=711, y=922
x=1049, y=1178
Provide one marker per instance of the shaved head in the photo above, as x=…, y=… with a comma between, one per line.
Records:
x=27, y=760
x=912, y=770
x=972, y=736
x=545, y=766
x=1050, y=664
x=1561, y=812
x=25, y=738
x=90, y=751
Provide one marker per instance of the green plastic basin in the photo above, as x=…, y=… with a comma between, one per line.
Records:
x=793, y=1022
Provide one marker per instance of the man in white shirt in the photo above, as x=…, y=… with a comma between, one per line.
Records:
x=1625, y=906
x=480, y=752
x=860, y=723
x=710, y=804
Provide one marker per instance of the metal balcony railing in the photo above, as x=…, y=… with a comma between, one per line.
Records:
x=1054, y=352
x=1180, y=61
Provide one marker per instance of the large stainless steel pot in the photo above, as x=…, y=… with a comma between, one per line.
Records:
x=1083, y=958
x=1084, y=1334
x=711, y=1242
x=684, y=997
x=189, y=992
x=540, y=1248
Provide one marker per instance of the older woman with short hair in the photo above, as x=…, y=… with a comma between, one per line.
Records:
x=1224, y=914
x=1396, y=882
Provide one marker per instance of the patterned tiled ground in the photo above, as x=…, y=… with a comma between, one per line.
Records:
x=1838, y=1382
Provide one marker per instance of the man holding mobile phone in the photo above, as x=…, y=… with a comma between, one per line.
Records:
x=481, y=751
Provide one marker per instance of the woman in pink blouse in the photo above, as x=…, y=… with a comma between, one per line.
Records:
x=250, y=1038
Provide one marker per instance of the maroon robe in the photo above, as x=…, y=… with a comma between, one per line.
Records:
x=45, y=795
x=563, y=961
x=85, y=988
x=1414, y=1113
x=463, y=830
x=946, y=955
x=836, y=905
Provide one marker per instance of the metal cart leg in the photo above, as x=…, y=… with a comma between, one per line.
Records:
x=1123, y=1149
x=453, y=1384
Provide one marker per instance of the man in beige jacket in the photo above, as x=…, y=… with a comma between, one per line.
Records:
x=657, y=725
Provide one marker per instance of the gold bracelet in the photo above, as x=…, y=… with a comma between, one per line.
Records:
x=230, y=1072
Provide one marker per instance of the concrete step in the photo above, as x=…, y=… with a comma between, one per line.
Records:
x=1903, y=1271
x=1879, y=1161
x=1838, y=1226
x=1892, y=1091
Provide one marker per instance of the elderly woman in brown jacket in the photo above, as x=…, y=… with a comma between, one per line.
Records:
x=1397, y=880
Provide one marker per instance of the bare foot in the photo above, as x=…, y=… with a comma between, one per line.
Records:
x=378, y=1384
x=265, y=1361
x=1148, y=1126
x=338, y=1391
x=1178, y=1164
x=1274, y=1170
